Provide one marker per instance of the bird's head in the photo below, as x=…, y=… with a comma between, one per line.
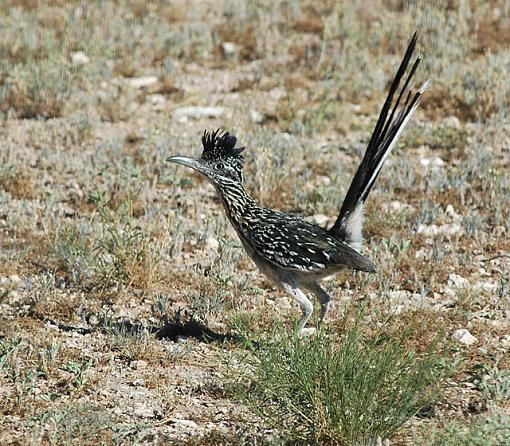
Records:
x=220, y=159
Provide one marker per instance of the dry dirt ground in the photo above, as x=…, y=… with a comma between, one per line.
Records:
x=121, y=282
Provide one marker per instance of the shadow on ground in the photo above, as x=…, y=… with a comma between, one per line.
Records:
x=180, y=325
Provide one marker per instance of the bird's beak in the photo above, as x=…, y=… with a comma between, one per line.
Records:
x=184, y=161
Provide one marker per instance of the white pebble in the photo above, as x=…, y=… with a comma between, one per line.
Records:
x=432, y=162
x=229, y=49
x=452, y=121
x=142, y=82
x=320, y=219
x=256, y=117
x=189, y=424
x=182, y=114
x=458, y=281
x=212, y=243
x=14, y=278
x=463, y=336
x=80, y=58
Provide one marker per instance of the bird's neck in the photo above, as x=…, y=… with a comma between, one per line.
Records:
x=235, y=200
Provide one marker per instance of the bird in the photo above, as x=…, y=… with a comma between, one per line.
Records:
x=291, y=252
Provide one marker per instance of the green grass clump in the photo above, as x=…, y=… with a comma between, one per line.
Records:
x=328, y=391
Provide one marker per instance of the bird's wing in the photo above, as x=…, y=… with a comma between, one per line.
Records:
x=292, y=243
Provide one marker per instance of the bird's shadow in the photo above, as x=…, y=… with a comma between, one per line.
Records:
x=180, y=325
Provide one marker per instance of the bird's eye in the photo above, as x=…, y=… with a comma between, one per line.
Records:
x=220, y=166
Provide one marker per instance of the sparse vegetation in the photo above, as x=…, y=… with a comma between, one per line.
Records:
x=80, y=423
x=110, y=250
x=115, y=268
x=490, y=431
x=348, y=391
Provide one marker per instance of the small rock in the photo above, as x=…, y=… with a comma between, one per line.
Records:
x=452, y=121
x=483, y=272
x=396, y=205
x=399, y=295
x=488, y=286
x=144, y=412
x=432, y=230
x=283, y=303
x=80, y=58
x=399, y=309
x=458, y=281
x=212, y=243
x=277, y=93
x=138, y=365
x=229, y=49
x=381, y=442
x=320, y=219
x=432, y=162
x=422, y=254
x=505, y=341
x=14, y=278
x=450, y=294
x=92, y=319
x=463, y=336
x=158, y=101
x=257, y=117
x=450, y=230
x=307, y=332
x=128, y=314
x=142, y=82
x=68, y=211
x=182, y=114
x=300, y=114
x=188, y=424
x=323, y=180
x=450, y=211
x=428, y=230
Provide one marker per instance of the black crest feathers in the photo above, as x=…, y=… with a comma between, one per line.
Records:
x=219, y=145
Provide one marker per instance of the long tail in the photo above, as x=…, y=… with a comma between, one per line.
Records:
x=348, y=226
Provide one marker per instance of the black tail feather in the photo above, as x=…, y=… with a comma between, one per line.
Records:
x=386, y=132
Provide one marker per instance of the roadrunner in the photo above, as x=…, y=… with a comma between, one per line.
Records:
x=294, y=254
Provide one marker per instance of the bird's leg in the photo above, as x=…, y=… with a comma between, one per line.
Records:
x=323, y=297
x=304, y=303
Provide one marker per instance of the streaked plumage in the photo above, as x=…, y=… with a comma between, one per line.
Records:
x=292, y=252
